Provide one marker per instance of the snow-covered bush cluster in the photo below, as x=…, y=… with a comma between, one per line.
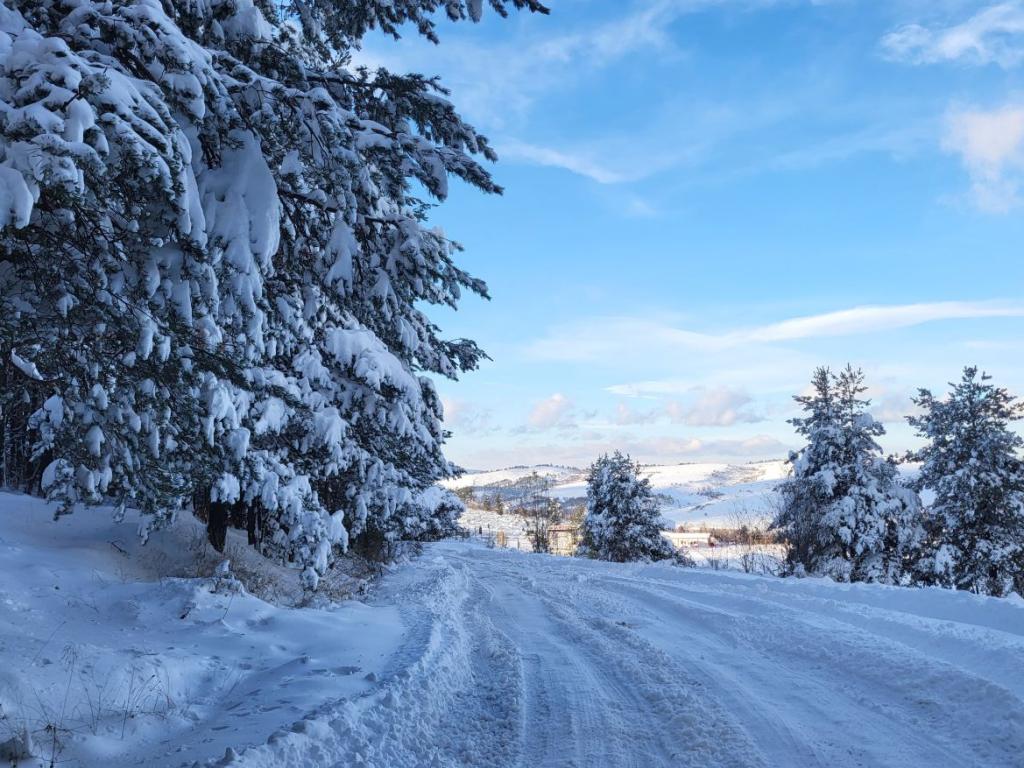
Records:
x=845, y=513
x=213, y=261
x=622, y=521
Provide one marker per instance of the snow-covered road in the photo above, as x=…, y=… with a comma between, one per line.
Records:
x=524, y=660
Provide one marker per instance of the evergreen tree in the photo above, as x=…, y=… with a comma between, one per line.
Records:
x=843, y=512
x=213, y=261
x=622, y=521
x=973, y=467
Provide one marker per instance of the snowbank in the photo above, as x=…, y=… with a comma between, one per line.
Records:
x=103, y=661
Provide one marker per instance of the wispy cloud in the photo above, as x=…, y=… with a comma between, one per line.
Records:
x=892, y=408
x=990, y=144
x=715, y=406
x=612, y=337
x=576, y=163
x=994, y=35
x=495, y=80
x=510, y=86
x=873, y=319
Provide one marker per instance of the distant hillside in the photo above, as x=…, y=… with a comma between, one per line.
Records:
x=509, y=476
x=705, y=494
x=700, y=494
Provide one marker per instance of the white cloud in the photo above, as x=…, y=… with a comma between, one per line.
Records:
x=664, y=449
x=499, y=83
x=607, y=337
x=993, y=35
x=654, y=450
x=991, y=146
x=554, y=411
x=653, y=388
x=639, y=208
x=626, y=416
x=714, y=407
x=892, y=408
x=644, y=28
x=463, y=417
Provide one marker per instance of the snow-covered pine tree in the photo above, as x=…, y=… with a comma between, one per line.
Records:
x=843, y=511
x=213, y=258
x=972, y=465
x=622, y=521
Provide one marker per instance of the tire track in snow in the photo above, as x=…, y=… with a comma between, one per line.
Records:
x=605, y=695
x=859, y=698
x=524, y=660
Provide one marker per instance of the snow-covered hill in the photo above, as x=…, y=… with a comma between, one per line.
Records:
x=713, y=495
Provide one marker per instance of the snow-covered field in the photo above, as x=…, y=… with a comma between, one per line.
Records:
x=469, y=656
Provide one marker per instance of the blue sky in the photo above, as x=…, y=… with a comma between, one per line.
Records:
x=705, y=199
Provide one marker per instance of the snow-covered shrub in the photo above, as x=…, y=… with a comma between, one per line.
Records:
x=622, y=522
x=213, y=258
x=843, y=513
x=973, y=467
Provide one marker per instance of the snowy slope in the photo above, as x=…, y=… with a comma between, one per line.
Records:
x=707, y=494
x=526, y=660
x=134, y=669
